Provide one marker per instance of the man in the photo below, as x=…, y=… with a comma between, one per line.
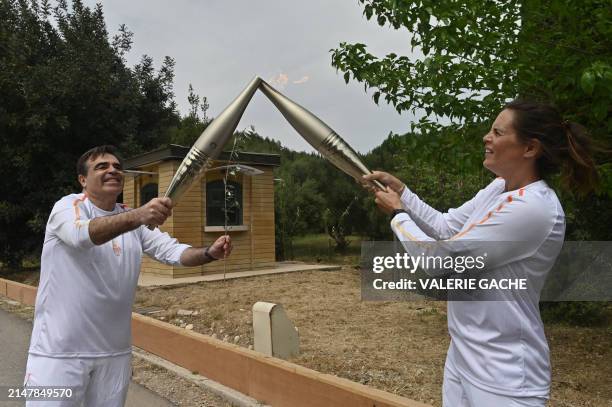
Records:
x=89, y=270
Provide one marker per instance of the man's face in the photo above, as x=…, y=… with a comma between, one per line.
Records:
x=104, y=177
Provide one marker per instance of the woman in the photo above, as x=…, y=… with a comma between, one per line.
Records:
x=498, y=355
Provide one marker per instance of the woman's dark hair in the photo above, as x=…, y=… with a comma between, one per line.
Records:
x=94, y=153
x=566, y=146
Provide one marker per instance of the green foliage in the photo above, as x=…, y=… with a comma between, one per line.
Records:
x=189, y=128
x=466, y=50
x=297, y=207
x=336, y=226
x=477, y=55
x=580, y=313
x=65, y=87
x=320, y=248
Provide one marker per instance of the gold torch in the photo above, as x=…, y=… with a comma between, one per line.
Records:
x=319, y=135
x=210, y=143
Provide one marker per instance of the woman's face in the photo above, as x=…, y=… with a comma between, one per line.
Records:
x=504, y=152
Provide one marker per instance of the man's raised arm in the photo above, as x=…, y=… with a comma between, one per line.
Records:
x=105, y=228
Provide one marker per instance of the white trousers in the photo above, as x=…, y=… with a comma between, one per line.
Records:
x=96, y=382
x=458, y=392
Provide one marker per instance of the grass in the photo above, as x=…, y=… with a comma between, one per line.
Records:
x=319, y=248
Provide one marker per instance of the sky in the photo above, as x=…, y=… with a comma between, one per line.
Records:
x=219, y=46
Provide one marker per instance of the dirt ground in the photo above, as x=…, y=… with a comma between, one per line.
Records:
x=397, y=347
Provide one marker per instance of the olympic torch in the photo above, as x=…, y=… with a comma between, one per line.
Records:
x=319, y=135
x=210, y=143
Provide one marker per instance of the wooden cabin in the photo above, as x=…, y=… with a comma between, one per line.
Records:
x=198, y=218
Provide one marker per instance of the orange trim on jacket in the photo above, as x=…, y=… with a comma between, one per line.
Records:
x=488, y=216
x=77, y=211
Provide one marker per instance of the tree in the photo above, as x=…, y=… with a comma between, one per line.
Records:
x=476, y=56
x=337, y=227
x=65, y=87
x=193, y=124
x=297, y=208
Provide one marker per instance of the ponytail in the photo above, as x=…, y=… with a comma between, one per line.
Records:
x=566, y=147
x=578, y=171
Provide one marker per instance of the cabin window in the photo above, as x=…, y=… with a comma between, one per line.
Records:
x=216, y=205
x=148, y=192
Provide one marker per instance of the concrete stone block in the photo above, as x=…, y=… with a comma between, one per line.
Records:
x=274, y=333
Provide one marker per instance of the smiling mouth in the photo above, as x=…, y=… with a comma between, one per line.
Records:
x=488, y=151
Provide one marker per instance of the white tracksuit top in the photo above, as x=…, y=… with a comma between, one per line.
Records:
x=498, y=346
x=86, y=292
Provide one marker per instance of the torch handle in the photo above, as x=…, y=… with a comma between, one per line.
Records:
x=379, y=185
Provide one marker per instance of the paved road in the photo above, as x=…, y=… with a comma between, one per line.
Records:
x=14, y=340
